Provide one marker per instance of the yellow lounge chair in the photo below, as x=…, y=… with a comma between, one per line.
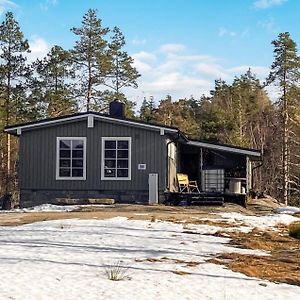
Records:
x=185, y=185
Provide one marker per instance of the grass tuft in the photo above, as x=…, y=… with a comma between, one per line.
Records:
x=294, y=230
x=117, y=271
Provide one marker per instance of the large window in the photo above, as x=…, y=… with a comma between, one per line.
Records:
x=116, y=158
x=71, y=158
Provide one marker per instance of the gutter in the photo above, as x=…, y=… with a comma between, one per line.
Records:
x=254, y=168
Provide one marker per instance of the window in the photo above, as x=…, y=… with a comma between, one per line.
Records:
x=71, y=158
x=116, y=158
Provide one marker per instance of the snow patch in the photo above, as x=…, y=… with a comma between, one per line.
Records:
x=66, y=259
x=287, y=210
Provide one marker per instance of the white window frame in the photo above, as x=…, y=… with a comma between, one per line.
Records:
x=58, y=139
x=104, y=139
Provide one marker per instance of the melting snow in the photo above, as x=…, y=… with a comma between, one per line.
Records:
x=66, y=259
x=287, y=210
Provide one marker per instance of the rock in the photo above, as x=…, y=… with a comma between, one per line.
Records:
x=107, y=201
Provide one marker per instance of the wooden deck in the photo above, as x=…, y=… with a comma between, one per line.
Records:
x=202, y=198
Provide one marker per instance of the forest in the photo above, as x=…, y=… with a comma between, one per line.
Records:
x=96, y=71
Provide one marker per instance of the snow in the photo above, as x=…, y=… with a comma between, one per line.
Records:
x=287, y=210
x=261, y=222
x=66, y=259
x=53, y=208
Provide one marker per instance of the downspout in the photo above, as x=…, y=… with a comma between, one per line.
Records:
x=254, y=168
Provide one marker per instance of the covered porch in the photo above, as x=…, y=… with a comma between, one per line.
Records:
x=222, y=172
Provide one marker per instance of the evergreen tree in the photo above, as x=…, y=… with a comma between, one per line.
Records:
x=90, y=58
x=13, y=72
x=107, y=96
x=179, y=114
x=121, y=72
x=285, y=73
x=147, y=110
x=52, y=85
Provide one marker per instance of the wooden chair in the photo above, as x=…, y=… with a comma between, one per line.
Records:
x=185, y=185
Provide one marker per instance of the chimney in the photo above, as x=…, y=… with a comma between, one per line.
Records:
x=117, y=109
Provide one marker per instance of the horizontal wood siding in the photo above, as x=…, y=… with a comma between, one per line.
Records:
x=38, y=156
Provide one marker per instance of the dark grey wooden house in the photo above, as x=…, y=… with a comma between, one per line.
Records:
x=91, y=155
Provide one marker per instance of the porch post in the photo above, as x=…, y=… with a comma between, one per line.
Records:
x=201, y=169
x=248, y=175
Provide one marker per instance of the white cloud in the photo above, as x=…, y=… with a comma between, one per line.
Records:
x=143, y=55
x=38, y=47
x=137, y=41
x=224, y=31
x=211, y=70
x=269, y=25
x=6, y=4
x=44, y=6
x=259, y=71
x=182, y=75
x=172, y=48
x=263, y=4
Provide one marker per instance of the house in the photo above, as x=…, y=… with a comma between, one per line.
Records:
x=92, y=155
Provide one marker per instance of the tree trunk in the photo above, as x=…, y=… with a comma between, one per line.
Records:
x=285, y=146
x=285, y=153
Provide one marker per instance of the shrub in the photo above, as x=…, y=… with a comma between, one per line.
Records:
x=117, y=271
x=294, y=230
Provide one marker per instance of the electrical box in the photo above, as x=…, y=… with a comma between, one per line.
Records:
x=153, y=188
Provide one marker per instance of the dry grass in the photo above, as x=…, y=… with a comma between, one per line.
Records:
x=117, y=271
x=185, y=263
x=282, y=265
x=177, y=272
x=294, y=230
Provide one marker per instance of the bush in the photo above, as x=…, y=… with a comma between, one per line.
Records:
x=117, y=271
x=294, y=230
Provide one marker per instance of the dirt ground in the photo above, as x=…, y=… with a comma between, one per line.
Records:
x=282, y=265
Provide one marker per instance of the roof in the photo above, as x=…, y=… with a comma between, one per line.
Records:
x=224, y=147
x=18, y=128
x=12, y=129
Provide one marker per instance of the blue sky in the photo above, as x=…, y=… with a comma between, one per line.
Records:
x=180, y=46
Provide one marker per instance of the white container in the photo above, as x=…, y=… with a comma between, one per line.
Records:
x=213, y=180
x=235, y=185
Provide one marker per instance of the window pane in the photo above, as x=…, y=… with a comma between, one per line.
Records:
x=65, y=153
x=122, y=163
x=77, y=153
x=109, y=163
x=109, y=173
x=77, y=163
x=77, y=172
x=65, y=163
x=64, y=172
x=77, y=144
x=64, y=144
x=110, y=144
x=110, y=154
x=122, y=153
x=123, y=145
x=122, y=173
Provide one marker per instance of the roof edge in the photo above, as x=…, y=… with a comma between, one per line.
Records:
x=30, y=125
x=227, y=148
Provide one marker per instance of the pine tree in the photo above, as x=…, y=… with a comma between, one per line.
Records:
x=121, y=72
x=13, y=72
x=147, y=109
x=90, y=58
x=285, y=73
x=52, y=87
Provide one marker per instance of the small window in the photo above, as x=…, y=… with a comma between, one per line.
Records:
x=116, y=158
x=71, y=158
